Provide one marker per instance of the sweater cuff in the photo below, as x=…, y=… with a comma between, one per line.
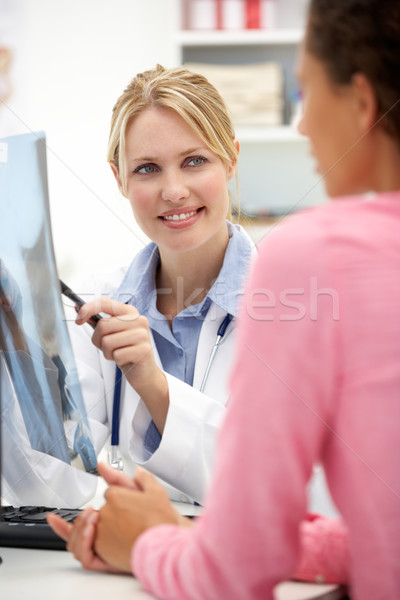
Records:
x=324, y=551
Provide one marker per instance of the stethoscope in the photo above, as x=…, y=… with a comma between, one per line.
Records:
x=115, y=460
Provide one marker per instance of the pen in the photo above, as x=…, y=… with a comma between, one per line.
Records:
x=78, y=302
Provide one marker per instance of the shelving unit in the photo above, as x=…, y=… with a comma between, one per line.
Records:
x=276, y=174
x=253, y=37
x=283, y=133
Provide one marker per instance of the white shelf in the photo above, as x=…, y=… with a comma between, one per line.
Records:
x=253, y=37
x=283, y=133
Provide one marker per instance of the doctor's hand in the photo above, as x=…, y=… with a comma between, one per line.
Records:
x=124, y=337
x=128, y=513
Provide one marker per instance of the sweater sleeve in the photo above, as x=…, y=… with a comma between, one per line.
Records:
x=324, y=552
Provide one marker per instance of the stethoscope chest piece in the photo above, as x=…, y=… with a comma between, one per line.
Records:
x=114, y=460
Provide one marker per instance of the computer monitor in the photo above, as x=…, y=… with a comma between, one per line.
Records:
x=47, y=447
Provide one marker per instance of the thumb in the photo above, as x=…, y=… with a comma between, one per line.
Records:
x=144, y=480
x=113, y=477
x=59, y=526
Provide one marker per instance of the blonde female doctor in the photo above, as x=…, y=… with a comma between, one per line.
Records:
x=172, y=150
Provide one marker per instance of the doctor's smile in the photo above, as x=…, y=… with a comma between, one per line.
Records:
x=182, y=217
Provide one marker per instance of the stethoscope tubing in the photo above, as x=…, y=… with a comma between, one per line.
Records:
x=116, y=407
x=116, y=462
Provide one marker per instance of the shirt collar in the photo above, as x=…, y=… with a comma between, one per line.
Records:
x=139, y=284
x=229, y=285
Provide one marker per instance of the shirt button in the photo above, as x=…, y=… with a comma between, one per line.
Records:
x=319, y=579
x=180, y=352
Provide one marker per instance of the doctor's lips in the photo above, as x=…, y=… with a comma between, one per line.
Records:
x=78, y=302
x=180, y=214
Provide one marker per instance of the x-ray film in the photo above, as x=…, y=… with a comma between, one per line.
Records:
x=45, y=431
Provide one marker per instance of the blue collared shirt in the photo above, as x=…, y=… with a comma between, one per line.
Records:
x=177, y=348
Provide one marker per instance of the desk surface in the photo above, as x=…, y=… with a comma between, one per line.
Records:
x=49, y=574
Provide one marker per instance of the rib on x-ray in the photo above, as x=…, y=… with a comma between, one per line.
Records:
x=42, y=407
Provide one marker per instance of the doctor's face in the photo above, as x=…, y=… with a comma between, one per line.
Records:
x=176, y=185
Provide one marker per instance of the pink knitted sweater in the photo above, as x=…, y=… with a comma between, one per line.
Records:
x=316, y=379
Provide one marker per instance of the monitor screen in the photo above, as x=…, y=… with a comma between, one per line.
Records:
x=45, y=430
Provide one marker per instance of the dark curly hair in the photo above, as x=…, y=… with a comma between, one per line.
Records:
x=361, y=36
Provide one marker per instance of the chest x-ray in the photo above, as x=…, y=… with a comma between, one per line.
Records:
x=45, y=431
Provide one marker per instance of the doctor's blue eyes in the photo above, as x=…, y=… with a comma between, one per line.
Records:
x=146, y=169
x=150, y=168
x=196, y=161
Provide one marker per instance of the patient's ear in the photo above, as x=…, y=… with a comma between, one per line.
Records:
x=365, y=102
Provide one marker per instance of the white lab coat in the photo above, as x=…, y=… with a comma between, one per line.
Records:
x=185, y=456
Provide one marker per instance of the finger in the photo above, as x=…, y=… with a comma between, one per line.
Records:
x=61, y=527
x=133, y=353
x=115, y=477
x=74, y=543
x=87, y=556
x=112, y=335
x=105, y=305
x=83, y=546
x=145, y=481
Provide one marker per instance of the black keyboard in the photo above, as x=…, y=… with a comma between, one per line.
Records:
x=26, y=527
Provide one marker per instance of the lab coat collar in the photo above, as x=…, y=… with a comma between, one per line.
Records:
x=138, y=286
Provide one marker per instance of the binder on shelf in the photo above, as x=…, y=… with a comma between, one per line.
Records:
x=260, y=14
x=229, y=14
x=218, y=8
x=233, y=13
x=202, y=14
x=268, y=14
x=253, y=10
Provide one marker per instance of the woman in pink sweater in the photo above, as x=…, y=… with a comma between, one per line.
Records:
x=317, y=370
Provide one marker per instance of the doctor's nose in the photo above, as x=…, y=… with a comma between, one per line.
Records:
x=174, y=189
